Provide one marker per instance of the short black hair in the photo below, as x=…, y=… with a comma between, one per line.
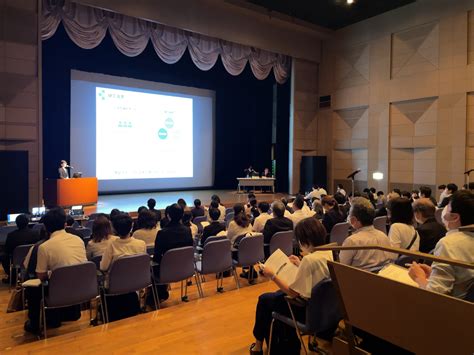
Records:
x=54, y=220
x=363, y=210
x=401, y=211
x=340, y=198
x=141, y=208
x=397, y=191
x=146, y=219
x=253, y=202
x=182, y=202
x=216, y=198
x=380, y=193
x=462, y=202
x=122, y=224
x=238, y=208
x=406, y=194
x=441, y=187
x=425, y=191
x=340, y=186
x=187, y=217
x=299, y=201
x=214, y=213
x=452, y=187
x=151, y=203
x=372, y=189
x=197, y=202
x=175, y=211
x=310, y=232
x=22, y=221
x=264, y=207
x=69, y=220
x=251, y=195
x=214, y=204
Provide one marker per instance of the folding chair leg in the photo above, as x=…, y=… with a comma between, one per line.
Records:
x=297, y=329
x=269, y=345
x=199, y=285
x=11, y=277
x=237, y=282
x=155, y=296
x=43, y=312
x=185, y=297
x=106, y=309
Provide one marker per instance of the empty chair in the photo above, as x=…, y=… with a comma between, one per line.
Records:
x=216, y=259
x=283, y=241
x=323, y=313
x=177, y=265
x=69, y=286
x=380, y=223
x=129, y=274
x=339, y=233
x=16, y=263
x=249, y=253
x=438, y=213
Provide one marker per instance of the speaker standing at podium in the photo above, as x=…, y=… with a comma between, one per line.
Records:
x=63, y=174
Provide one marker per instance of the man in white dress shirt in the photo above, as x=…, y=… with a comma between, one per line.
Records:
x=317, y=192
x=298, y=212
x=263, y=217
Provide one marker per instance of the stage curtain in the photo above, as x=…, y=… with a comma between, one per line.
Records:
x=87, y=26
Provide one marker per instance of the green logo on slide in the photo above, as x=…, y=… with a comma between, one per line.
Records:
x=162, y=133
x=169, y=123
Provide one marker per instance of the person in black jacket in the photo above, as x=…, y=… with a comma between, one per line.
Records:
x=429, y=230
x=198, y=210
x=278, y=223
x=173, y=235
x=22, y=236
x=214, y=228
x=151, y=203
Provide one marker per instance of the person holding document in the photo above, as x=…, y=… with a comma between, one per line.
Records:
x=295, y=278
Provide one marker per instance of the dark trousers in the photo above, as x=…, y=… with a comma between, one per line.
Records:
x=268, y=303
x=53, y=316
x=122, y=306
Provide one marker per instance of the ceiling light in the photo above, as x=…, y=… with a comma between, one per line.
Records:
x=350, y=2
x=377, y=175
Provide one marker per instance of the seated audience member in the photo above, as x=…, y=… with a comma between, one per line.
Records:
x=317, y=208
x=442, y=192
x=126, y=305
x=298, y=212
x=415, y=195
x=240, y=225
x=174, y=235
x=114, y=213
x=216, y=206
x=340, y=189
x=214, y=228
x=146, y=228
x=262, y=218
x=101, y=237
x=288, y=209
x=373, y=191
x=382, y=211
x=219, y=205
x=361, y=218
x=164, y=221
x=381, y=199
x=21, y=236
x=186, y=220
x=141, y=209
x=251, y=196
x=333, y=215
x=279, y=223
x=341, y=201
x=254, y=212
x=402, y=234
x=151, y=203
x=397, y=191
x=456, y=245
x=317, y=192
x=450, y=189
x=183, y=204
x=69, y=226
x=61, y=249
x=429, y=230
x=124, y=245
x=198, y=210
x=312, y=269
x=425, y=192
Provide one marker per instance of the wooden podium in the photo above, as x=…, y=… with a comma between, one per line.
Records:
x=70, y=192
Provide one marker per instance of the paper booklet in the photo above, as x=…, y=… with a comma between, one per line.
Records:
x=282, y=266
x=32, y=283
x=397, y=273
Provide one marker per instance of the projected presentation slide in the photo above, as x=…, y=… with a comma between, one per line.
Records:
x=137, y=135
x=131, y=122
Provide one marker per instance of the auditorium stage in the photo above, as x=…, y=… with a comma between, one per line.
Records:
x=131, y=202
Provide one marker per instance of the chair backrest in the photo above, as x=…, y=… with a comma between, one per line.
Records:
x=38, y=226
x=380, y=223
x=74, y=284
x=177, y=264
x=214, y=238
x=19, y=255
x=199, y=219
x=129, y=273
x=324, y=311
x=229, y=210
x=283, y=241
x=251, y=250
x=438, y=213
x=84, y=232
x=339, y=233
x=216, y=256
x=228, y=217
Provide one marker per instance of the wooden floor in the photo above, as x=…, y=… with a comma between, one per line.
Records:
x=219, y=323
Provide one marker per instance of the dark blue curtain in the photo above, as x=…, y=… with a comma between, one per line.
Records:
x=243, y=108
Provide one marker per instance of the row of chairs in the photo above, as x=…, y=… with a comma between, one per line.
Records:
x=341, y=231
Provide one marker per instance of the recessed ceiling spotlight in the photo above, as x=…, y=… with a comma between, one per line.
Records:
x=350, y=2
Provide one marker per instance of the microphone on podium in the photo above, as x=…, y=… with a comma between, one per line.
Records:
x=69, y=166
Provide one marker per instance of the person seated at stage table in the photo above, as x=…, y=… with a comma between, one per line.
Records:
x=279, y=223
x=429, y=230
x=215, y=226
x=458, y=244
x=262, y=218
x=151, y=203
x=220, y=206
x=173, y=235
x=101, y=237
x=361, y=218
x=61, y=249
x=146, y=227
x=249, y=172
x=333, y=215
x=312, y=269
x=21, y=236
x=240, y=225
x=186, y=220
x=402, y=233
x=198, y=210
x=298, y=212
x=266, y=173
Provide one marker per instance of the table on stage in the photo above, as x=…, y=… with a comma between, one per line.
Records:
x=70, y=192
x=254, y=182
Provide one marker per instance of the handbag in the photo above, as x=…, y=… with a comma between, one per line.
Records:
x=16, y=301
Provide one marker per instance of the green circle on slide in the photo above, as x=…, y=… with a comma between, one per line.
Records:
x=169, y=123
x=162, y=133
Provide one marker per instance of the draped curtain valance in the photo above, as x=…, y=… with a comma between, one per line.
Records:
x=87, y=26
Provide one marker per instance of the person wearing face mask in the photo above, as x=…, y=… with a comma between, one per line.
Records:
x=458, y=244
x=429, y=230
x=361, y=217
